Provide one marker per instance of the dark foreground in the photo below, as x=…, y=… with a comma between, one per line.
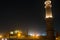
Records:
x=24, y=39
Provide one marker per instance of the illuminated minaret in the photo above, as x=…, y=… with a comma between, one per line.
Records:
x=49, y=20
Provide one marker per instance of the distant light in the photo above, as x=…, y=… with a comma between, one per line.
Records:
x=5, y=38
x=30, y=34
x=11, y=32
x=33, y=34
x=56, y=38
x=43, y=34
x=2, y=38
x=16, y=31
x=38, y=35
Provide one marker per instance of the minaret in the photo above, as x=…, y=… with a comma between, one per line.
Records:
x=49, y=20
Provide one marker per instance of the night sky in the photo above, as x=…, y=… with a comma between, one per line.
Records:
x=27, y=14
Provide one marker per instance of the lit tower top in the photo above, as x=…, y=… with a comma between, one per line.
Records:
x=48, y=10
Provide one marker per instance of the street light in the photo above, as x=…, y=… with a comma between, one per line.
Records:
x=34, y=35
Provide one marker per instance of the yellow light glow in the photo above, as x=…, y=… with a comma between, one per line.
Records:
x=19, y=35
x=1, y=36
x=56, y=38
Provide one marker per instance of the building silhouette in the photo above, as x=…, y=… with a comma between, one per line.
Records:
x=49, y=20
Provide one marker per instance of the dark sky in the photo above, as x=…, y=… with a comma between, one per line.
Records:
x=23, y=14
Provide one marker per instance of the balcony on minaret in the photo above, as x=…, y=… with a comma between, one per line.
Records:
x=49, y=16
